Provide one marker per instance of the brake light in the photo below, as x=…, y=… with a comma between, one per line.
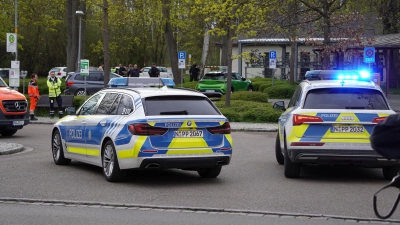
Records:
x=59, y=73
x=69, y=83
x=378, y=119
x=300, y=119
x=223, y=129
x=145, y=129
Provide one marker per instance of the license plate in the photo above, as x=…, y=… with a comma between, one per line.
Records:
x=18, y=123
x=210, y=90
x=188, y=133
x=347, y=129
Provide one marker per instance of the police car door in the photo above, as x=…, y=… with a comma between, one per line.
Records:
x=102, y=120
x=76, y=129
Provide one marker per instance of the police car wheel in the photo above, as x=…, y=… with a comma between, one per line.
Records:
x=278, y=151
x=8, y=133
x=209, y=172
x=291, y=170
x=390, y=171
x=57, y=149
x=111, y=169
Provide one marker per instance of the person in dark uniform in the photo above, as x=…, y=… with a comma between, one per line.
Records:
x=194, y=72
x=153, y=71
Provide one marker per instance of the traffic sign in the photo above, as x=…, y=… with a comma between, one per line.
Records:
x=369, y=54
x=272, y=63
x=181, y=63
x=84, y=67
x=11, y=42
x=272, y=54
x=181, y=55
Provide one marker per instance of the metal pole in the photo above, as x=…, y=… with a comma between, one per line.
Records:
x=182, y=77
x=79, y=43
x=16, y=28
x=23, y=86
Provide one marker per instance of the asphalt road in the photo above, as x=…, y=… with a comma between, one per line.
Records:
x=253, y=181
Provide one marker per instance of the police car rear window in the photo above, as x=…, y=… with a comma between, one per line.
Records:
x=345, y=98
x=179, y=105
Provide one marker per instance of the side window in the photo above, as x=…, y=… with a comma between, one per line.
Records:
x=114, y=106
x=293, y=100
x=89, y=106
x=106, y=103
x=125, y=106
x=234, y=76
x=78, y=77
x=94, y=77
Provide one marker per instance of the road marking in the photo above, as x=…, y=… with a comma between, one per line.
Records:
x=183, y=209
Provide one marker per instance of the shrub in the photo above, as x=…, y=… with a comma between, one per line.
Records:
x=280, y=91
x=264, y=86
x=248, y=96
x=191, y=85
x=79, y=100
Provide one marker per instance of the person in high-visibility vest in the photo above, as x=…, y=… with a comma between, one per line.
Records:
x=54, y=85
x=34, y=96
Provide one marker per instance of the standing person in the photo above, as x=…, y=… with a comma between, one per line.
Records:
x=153, y=71
x=134, y=72
x=121, y=70
x=54, y=85
x=101, y=67
x=34, y=96
x=194, y=72
x=128, y=70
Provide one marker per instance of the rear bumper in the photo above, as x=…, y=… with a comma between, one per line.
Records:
x=367, y=158
x=185, y=163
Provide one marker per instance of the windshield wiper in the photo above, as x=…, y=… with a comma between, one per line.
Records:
x=183, y=112
x=354, y=107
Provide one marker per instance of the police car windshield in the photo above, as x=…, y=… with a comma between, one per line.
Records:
x=345, y=98
x=178, y=105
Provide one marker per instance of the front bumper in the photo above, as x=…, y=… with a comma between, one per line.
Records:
x=7, y=121
x=367, y=158
x=215, y=93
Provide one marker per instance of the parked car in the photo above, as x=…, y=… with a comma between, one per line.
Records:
x=213, y=84
x=75, y=83
x=4, y=73
x=61, y=72
x=144, y=72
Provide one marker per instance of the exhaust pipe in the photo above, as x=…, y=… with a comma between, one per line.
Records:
x=152, y=165
x=220, y=163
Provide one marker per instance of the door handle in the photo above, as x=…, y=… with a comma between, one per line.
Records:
x=103, y=123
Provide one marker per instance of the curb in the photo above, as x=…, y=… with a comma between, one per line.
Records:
x=10, y=148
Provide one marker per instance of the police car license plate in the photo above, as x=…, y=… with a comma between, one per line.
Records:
x=188, y=133
x=210, y=90
x=18, y=123
x=347, y=129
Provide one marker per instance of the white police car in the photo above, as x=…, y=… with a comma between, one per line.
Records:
x=329, y=121
x=125, y=128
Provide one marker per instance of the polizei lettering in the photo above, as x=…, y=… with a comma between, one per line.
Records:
x=173, y=124
x=75, y=134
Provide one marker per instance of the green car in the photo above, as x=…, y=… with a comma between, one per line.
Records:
x=213, y=84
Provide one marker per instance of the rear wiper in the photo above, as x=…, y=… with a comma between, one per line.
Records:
x=183, y=112
x=354, y=107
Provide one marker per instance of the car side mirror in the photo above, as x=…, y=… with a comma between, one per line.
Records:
x=279, y=105
x=243, y=79
x=70, y=111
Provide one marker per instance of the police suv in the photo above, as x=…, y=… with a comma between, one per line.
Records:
x=329, y=120
x=126, y=128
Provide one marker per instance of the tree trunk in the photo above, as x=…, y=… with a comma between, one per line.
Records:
x=224, y=50
x=229, y=64
x=327, y=37
x=106, y=47
x=72, y=35
x=171, y=43
x=293, y=36
x=206, y=45
x=292, y=59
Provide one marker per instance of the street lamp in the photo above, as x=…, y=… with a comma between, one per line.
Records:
x=80, y=14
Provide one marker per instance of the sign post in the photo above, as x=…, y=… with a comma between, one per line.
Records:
x=272, y=63
x=182, y=64
x=84, y=71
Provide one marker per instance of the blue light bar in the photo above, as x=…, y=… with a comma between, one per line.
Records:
x=168, y=82
x=364, y=74
x=118, y=82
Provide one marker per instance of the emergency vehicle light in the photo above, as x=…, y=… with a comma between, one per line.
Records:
x=337, y=75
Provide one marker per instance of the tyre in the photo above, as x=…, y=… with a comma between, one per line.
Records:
x=291, y=169
x=250, y=88
x=278, y=151
x=390, y=171
x=111, y=170
x=209, y=172
x=80, y=92
x=8, y=133
x=58, y=150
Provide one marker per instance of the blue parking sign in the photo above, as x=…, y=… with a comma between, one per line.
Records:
x=369, y=55
x=272, y=54
x=181, y=55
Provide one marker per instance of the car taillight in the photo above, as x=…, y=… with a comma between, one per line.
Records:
x=378, y=119
x=59, y=73
x=69, y=83
x=300, y=119
x=223, y=129
x=145, y=129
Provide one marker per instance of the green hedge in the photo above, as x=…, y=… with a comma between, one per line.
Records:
x=280, y=91
x=247, y=111
x=248, y=96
